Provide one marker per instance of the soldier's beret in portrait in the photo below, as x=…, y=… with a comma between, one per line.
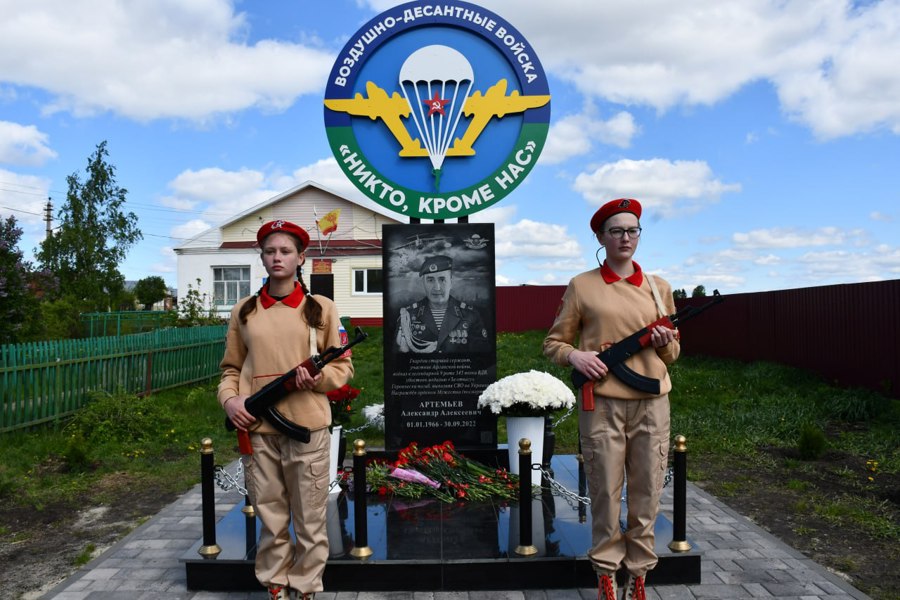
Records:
x=435, y=264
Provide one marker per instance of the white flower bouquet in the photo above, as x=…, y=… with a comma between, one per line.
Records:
x=531, y=394
x=374, y=414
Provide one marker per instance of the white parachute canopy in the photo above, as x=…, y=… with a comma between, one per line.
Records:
x=436, y=81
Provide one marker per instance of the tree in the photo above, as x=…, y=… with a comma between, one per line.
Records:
x=678, y=294
x=16, y=305
x=150, y=290
x=94, y=236
x=699, y=292
x=22, y=289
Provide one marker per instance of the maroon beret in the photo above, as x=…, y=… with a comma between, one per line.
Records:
x=282, y=226
x=614, y=207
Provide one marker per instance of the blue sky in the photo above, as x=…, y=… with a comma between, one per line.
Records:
x=762, y=137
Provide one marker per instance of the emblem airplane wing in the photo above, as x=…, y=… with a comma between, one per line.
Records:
x=494, y=103
x=387, y=108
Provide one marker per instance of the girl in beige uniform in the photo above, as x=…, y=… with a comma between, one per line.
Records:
x=268, y=335
x=627, y=433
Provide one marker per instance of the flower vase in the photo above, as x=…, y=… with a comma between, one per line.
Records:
x=335, y=456
x=525, y=427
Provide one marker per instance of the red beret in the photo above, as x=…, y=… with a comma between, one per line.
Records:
x=282, y=226
x=614, y=207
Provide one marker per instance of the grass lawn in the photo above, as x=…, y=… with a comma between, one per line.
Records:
x=823, y=451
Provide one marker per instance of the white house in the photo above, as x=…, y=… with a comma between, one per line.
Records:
x=345, y=266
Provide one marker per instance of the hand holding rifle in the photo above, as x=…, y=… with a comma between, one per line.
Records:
x=240, y=417
x=243, y=410
x=591, y=366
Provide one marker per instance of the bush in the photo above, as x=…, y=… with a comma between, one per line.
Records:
x=119, y=418
x=853, y=405
x=77, y=454
x=812, y=442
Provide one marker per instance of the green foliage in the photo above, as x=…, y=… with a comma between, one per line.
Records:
x=93, y=237
x=699, y=292
x=150, y=290
x=76, y=453
x=195, y=309
x=853, y=405
x=61, y=318
x=812, y=443
x=679, y=294
x=154, y=441
x=19, y=285
x=84, y=557
x=119, y=418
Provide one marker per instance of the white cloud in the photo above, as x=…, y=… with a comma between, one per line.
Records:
x=190, y=229
x=667, y=188
x=854, y=86
x=222, y=193
x=529, y=238
x=23, y=145
x=499, y=215
x=575, y=135
x=191, y=60
x=792, y=237
x=24, y=197
x=825, y=58
x=572, y=265
x=149, y=60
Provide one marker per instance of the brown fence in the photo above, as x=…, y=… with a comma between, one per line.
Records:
x=849, y=334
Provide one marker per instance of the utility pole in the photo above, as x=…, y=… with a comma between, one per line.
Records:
x=48, y=216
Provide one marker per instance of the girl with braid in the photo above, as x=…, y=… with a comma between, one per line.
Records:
x=269, y=334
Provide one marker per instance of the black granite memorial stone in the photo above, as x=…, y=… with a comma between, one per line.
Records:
x=440, y=334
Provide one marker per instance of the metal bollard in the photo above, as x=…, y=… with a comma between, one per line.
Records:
x=679, y=541
x=249, y=523
x=525, y=547
x=361, y=547
x=209, y=549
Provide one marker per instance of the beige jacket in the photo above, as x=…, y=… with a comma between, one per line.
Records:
x=272, y=342
x=597, y=314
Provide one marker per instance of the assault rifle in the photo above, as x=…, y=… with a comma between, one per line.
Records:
x=262, y=403
x=615, y=356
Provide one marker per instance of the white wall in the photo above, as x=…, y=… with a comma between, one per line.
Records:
x=195, y=263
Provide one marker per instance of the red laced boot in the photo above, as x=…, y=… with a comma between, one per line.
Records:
x=606, y=587
x=635, y=589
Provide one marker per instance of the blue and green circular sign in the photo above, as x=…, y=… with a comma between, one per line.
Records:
x=437, y=110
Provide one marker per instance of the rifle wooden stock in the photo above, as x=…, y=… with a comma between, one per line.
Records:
x=615, y=356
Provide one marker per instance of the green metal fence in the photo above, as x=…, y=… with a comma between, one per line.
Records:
x=43, y=381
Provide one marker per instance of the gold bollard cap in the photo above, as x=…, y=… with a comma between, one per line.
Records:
x=206, y=446
x=524, y=446
x=359, y=447
x=680, y=443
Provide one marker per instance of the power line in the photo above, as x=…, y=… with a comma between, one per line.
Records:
x=27, y=212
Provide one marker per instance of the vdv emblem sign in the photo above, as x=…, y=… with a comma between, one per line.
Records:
x=437, y=110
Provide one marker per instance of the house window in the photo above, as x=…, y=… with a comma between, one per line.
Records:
x=230, y=284
x=367, y=281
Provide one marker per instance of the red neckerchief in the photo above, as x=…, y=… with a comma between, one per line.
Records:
x=293, y=299
x=610, y=276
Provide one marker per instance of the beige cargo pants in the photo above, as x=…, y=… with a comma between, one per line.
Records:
x=619, y=439
x=288, y=482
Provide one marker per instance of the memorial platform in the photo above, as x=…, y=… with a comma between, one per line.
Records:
x=428, y=545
